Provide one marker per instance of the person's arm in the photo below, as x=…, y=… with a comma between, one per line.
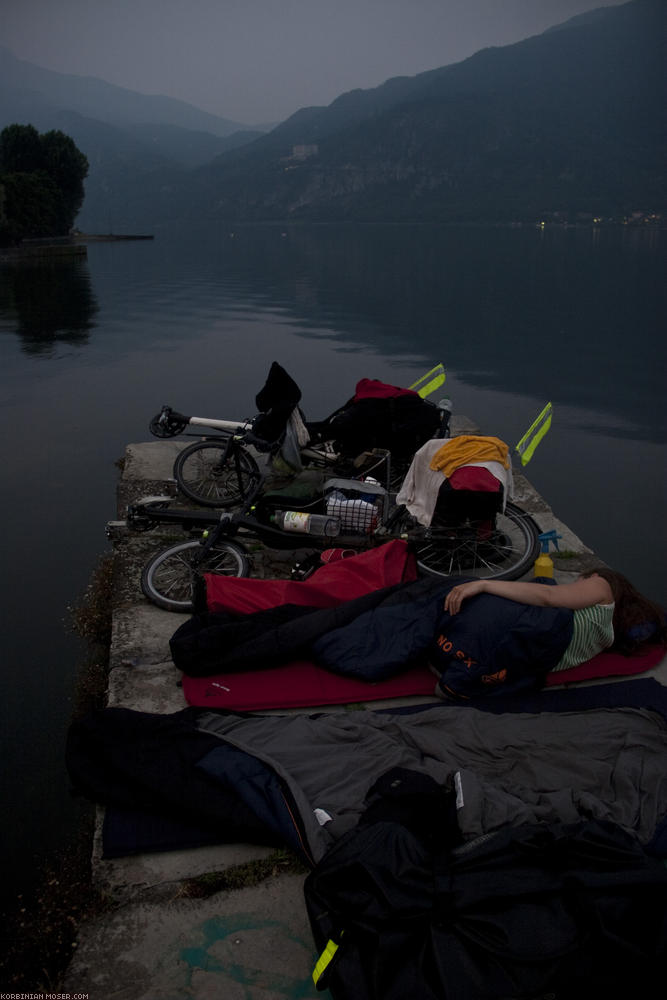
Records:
x=583, y=593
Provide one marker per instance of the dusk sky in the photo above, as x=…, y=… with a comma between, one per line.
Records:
x=258, y=61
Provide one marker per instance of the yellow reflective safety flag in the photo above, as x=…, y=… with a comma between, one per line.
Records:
x=324, y=960
x=539, y=427
x=429, y=382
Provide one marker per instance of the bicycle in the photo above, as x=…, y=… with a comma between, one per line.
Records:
x=221, y=471
x=494, y=544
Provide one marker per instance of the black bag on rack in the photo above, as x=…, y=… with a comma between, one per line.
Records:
x=400, y=424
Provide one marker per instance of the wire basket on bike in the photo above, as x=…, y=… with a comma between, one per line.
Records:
x=358, y=506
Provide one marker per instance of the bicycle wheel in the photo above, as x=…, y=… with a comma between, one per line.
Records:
x=167, y=579
x=503, y=552
x=210, y=475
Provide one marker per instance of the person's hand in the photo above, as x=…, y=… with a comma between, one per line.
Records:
x=458, y=594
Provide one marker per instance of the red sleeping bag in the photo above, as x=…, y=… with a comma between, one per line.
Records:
x=329, y=585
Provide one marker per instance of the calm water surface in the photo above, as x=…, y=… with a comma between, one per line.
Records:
x=91, y=350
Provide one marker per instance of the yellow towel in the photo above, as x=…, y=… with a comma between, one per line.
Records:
x=469, y=448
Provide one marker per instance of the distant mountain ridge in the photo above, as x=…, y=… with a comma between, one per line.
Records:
x=28, y=88
x=567, y=124
x=135, y=143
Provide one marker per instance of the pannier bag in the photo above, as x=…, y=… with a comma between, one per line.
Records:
x=383, y=416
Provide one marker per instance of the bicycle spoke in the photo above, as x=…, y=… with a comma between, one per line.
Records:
x=223, y=563
x=209, y=475
x=175, y=578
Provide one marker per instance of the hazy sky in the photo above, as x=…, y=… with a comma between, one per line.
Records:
x=258, y=61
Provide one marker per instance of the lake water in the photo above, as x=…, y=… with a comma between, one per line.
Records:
x=90, y=351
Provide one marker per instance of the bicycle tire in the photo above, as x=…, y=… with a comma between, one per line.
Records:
x=465, y=550
x=167, y=578
x=202, y=476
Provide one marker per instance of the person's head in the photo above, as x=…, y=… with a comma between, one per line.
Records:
x=638, y=621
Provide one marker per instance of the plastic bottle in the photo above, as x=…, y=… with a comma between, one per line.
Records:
x=307, y=524
x=544, y=563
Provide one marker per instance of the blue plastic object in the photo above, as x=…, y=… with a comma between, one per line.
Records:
x=549, y=536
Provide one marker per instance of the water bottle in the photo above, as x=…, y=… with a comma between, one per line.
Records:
x=307, y=524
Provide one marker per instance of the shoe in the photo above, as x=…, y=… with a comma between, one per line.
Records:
x=333, y=555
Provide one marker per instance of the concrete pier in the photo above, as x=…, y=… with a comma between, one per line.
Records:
x=157, y=942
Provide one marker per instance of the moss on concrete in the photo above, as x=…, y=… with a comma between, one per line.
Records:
x=281, y=862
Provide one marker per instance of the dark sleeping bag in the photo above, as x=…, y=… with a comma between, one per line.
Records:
x=549, y=910
x=492, y=645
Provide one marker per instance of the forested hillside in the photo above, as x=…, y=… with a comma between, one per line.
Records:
x=571, y=121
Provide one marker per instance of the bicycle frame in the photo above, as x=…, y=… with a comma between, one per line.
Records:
x=222, y=469
x=170, y=423
x=472, y=548
x=144, y=514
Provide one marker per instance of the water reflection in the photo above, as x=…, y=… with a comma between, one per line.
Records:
x=48, y=302
x=195, y=319
x=570, y=315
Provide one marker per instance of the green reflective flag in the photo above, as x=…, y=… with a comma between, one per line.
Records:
x=529, y=442
x=429, y=382
x=325, y=959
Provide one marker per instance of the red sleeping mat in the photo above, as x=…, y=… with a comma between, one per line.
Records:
x=298, y=685
x=608, y=665
x=303, y=684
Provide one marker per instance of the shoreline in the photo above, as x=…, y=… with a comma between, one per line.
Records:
x=110, y=237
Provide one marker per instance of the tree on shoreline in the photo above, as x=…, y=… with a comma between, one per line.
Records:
x=41, y=183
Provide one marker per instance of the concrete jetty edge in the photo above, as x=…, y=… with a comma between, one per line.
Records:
x=155, y=941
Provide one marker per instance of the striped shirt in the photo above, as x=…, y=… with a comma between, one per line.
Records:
x=592, y=632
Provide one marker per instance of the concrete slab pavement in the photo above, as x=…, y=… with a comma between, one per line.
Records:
x=250, y=944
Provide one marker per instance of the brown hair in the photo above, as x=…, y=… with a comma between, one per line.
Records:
x=638, y=621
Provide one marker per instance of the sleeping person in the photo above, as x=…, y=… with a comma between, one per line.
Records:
x=608, y=612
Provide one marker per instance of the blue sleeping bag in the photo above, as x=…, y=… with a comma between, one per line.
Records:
x=491, y=646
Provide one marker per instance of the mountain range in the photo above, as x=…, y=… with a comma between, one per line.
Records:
x=133, y=141
x=567, y=124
